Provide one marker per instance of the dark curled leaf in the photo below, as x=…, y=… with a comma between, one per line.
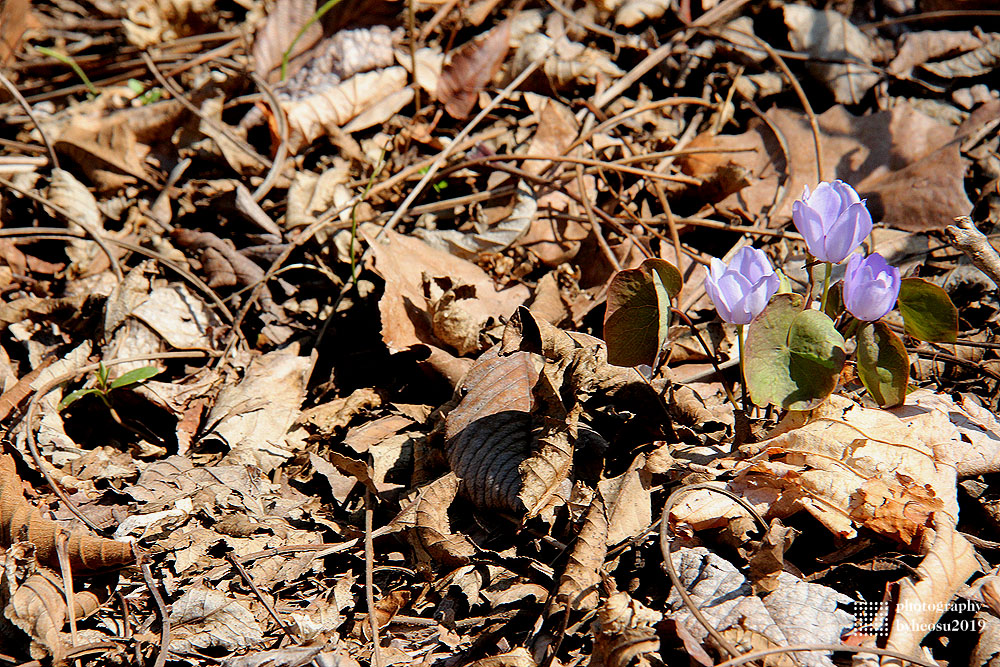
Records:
x=489, y=435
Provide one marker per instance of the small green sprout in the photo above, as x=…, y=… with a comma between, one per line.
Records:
x=104, y=388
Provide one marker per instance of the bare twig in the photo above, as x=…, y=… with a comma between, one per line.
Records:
x=248, y=580
x=369, y=580
x=12, y=89
x=668, y=562
x=965, y=236
x=161, y=611
x=94, y=234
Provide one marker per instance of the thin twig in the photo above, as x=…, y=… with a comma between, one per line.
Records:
x=56, y=233
x=279, y=158
x=369, y=579
x=668, y=562
x=797, y=87
x=12, y=89
x=190, y=106
x=94, y=234
x=161, y=611
x=235, y=561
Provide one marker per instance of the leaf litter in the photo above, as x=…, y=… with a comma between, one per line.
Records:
x=372, y=280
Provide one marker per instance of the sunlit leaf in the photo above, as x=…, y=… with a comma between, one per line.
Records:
x=134, y=377
x=793, y=356
x=928, y=313
x=73, y=397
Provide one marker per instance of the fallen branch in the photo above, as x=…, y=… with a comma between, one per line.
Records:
x=965, y=236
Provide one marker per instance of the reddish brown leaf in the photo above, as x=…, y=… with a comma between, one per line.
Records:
x=472, y=66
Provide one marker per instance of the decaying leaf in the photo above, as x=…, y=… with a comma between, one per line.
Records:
x=830, y=36
x=470, y=68
x=433, y=528
x=326, y=111
x=578, y=584
x=847, y=466
x=204, y=618
x=20, y=520
x=634, y=12
x=493, y=237
x=974, y=63
x=33, y=599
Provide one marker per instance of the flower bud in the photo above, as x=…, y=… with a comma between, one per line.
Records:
x=871, y=287
x=741, y=290
x=832, y=219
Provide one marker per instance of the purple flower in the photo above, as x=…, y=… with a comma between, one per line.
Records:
x=870, y=286
x=832, y=219
x=741, y=290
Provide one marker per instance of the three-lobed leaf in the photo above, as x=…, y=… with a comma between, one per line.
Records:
x=928, y=313
x=638, y=311
x=883, y=365
x=793, y=356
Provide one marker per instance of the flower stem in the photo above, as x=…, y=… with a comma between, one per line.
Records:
x=743, y=378
x=826, y=286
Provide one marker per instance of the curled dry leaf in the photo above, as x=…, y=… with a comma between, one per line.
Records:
x=325, y=112
x=916, y=48
x=33, y=600
x=846, y=465
x=519, y=657
x=946, y=565
x=470, y=68
x=578, y=583
x=73, y=197
x=87, y=553
x=624, y=629
x=974, y=63
x=634, y=12
x=571, y=63
x=830, y=36
x=433, y=528
x=489, y=434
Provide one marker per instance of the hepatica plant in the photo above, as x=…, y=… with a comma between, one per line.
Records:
x=794, y=349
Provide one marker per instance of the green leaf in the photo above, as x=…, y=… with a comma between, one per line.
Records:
x=883, y=365
x=73, y=397
x=835, y=300
x=134, y=377
x=638, y=312
x=793, y=356
x=928, y=313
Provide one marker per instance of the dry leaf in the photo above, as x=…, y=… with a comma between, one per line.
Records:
x=433, y=528
x=255, y=415
x=946, y=565
x=633, y=12
x=829, y=35
x=204, y=618
x=977, y=62
x=403, y=261
x=283, y=23
x=624, y=629
x=470, y=68
x=87, y=552
x=916, y=48
x=328, y=110
x=578, y=584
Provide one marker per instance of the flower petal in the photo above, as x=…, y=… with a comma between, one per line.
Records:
x=825, y=200
x=809, y=224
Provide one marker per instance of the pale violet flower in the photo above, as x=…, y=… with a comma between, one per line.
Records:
x=741, y=290
x=832, y=219
x=871, y=287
